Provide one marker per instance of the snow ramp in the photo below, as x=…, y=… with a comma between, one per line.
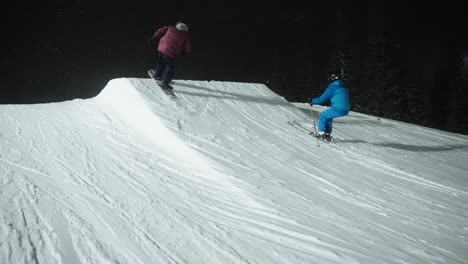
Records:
x=224, y=173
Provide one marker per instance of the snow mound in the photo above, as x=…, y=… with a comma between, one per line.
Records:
x=224, y=173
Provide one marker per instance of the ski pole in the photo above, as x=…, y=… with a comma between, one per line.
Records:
x=315, y=131
x=313, y=118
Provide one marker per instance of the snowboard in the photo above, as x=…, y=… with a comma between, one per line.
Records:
x=169, y=92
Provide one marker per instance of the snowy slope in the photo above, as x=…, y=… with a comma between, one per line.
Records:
x=220, y=175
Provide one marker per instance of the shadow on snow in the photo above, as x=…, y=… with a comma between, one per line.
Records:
x=414, y=148
x=228, y=95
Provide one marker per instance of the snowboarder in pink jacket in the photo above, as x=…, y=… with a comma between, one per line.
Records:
x=173, y=41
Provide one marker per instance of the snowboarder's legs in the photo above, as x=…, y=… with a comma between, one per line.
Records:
x=326, y=119
x=165, y=69
x=168, y=72
x=160, y=66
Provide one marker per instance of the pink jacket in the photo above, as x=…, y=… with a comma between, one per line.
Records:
x=173, y=41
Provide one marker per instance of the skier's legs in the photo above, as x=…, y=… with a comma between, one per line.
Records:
x=326, y=119
x=328, y=126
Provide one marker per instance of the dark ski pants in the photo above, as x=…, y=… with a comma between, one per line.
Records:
x=165, y=68
x=326, y=118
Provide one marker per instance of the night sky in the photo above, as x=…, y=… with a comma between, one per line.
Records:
x=55, y=51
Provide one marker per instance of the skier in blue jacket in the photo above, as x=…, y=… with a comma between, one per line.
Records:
x=338, y=95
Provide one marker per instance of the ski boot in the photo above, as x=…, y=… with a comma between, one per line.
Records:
x=325, y=136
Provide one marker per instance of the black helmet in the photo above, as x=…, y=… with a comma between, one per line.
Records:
x=333, y=77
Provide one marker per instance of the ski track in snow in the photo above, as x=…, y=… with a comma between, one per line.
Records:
x=220, y=175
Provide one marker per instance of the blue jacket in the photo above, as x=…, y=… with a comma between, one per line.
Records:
x=337, y=94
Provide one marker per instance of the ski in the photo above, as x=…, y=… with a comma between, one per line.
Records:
x=312, y=133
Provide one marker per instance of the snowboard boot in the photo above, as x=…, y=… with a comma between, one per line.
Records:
x=152, y=74
x=165, y=86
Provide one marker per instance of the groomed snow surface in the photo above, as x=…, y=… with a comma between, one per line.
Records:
x=225, y=173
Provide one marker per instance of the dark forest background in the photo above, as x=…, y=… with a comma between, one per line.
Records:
x=404, y=61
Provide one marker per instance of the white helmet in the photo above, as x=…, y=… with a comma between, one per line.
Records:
x=182, y=26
